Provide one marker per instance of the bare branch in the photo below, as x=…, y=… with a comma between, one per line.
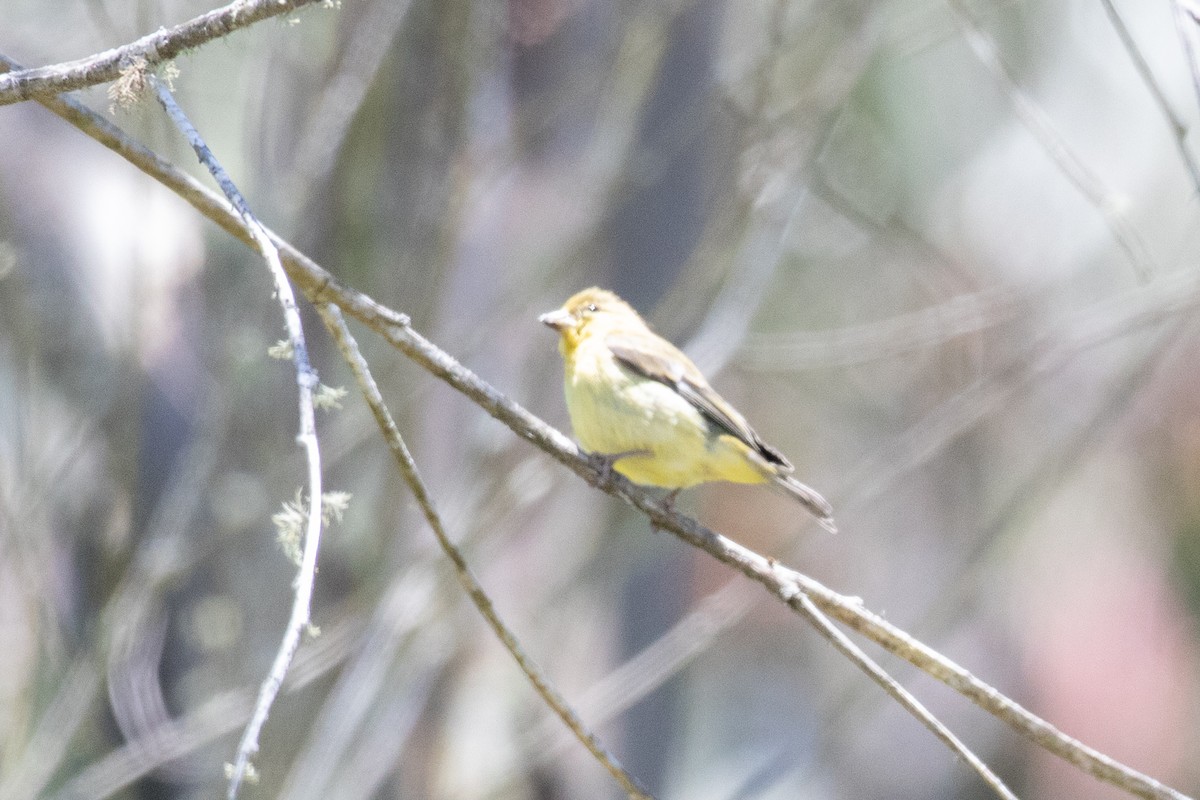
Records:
x=306, y=381
x=408, y=468
x=162, y=45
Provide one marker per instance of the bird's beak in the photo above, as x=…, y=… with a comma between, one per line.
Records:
x=558, y=319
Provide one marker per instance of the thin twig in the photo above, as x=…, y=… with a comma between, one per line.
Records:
x=306, y=381
x=1069, y=163
x=408, y=469
x=155, y=48
x=901, y=695
x=1178, y=128
x=1129, y=311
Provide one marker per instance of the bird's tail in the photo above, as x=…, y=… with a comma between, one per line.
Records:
x=818, y=506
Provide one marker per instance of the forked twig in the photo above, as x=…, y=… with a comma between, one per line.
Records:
x=901, y=695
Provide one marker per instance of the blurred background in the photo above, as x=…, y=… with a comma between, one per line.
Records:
x=942, y=255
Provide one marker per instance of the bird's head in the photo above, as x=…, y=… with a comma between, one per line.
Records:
x=590, y=312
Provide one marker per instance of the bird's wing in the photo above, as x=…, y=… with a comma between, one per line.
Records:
x=653, y=357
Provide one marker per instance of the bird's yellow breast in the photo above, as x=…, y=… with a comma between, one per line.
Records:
x=668, y=441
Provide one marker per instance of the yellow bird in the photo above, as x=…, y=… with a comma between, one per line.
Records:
x=636, y=399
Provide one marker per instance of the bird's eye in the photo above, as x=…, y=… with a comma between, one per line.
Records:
x=591, y=308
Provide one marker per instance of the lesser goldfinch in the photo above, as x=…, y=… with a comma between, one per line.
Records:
x=636, y=399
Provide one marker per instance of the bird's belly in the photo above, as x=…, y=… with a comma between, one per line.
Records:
x=667, y=441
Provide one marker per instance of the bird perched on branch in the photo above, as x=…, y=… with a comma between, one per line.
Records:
x=638, y=401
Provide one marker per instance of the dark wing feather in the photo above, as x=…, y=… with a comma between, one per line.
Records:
x=656, y=359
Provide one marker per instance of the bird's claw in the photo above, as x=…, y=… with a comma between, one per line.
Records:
x=605, y=463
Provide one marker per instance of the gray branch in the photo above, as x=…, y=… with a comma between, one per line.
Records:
x=152, y=49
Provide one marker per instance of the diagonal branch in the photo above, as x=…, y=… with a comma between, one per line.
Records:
x=162, y=45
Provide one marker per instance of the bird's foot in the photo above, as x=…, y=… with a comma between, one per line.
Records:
x=668, y=505
x=605, y=463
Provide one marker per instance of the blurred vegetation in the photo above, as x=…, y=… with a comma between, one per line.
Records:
x=888, y=231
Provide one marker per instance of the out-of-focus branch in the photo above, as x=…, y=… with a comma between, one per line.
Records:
x=408, y=469
x=654, y=665
x=1187, y=23
x=306, y=382
x=887, y=338
x=335, y=106
x=201, y=726
x=408, y=617
x=1178, y=128
x=49, y=744
x=1100, y=322
x=1069, y=163
x=1113, y=317
x=152, y=49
